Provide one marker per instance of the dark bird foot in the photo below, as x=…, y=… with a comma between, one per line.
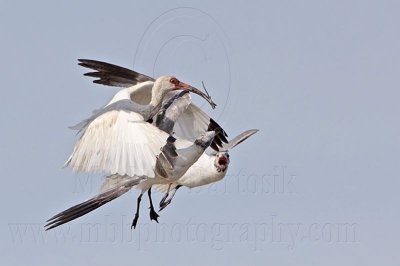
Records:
x=153, y=215
x=164, y=204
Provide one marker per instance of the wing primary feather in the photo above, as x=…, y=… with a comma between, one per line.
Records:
x=214, y=146
x=85, y=207
x=239, y=139
x=220, y=136
x=112, y=75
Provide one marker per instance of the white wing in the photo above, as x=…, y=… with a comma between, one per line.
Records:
x=123, y=99
x=194, y=121
x=116, y=140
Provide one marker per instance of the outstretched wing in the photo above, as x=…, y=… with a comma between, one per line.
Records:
x=85, y=207
x=116, y=140
x=190, y=120
x=194, y=121
x=112, y=75
x=239, y=139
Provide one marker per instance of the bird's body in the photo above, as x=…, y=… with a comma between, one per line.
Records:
x=203, y=172
x=207, y=169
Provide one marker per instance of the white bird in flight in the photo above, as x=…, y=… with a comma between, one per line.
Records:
x=117, y=140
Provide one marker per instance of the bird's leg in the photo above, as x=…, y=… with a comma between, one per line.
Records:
x=135, y=220
x=153, y=214
x=165, y=196
x=167, y=202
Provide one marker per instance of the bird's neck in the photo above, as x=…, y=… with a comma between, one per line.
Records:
x=150, y=110
x=154, y=106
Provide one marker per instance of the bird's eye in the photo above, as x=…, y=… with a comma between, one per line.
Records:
x=227, y=155
x=174, y=81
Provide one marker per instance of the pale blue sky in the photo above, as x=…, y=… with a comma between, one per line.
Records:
x=318, y=185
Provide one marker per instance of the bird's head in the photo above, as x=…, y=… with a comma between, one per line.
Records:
x=205, y=139
x=222, y=160
x=165, y=84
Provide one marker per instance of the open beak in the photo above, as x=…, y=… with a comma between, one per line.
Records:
x=223, y=161
x=184, y=86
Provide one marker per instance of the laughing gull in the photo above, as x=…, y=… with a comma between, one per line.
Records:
x=208, y=169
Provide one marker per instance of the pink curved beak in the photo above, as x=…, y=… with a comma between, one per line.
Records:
x=184, y=86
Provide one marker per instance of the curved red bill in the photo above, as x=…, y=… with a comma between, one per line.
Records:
x=184, y=86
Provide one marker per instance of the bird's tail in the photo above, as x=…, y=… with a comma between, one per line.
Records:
x=91, y=204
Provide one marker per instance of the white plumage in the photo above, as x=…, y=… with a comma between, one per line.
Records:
x=118, y=142
x=207, y=169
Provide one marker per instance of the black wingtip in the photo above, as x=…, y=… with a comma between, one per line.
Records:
x=171, y=139
x=112, y=75
x=85, y=207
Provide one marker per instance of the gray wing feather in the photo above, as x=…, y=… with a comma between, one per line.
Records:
x=166, y=159
x=87, y=206
x=239, y=139
x=112, y=75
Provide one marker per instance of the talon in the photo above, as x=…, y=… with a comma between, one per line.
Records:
x=154, y=216
x=164, y=204
x=163, y=200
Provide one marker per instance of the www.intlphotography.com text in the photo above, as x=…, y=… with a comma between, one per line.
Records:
x=279, y=180
x=217, y=235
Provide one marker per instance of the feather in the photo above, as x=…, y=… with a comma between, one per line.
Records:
x=112, y=75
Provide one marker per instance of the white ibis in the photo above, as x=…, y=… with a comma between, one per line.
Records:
x=191, y=120
x=208, y=169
